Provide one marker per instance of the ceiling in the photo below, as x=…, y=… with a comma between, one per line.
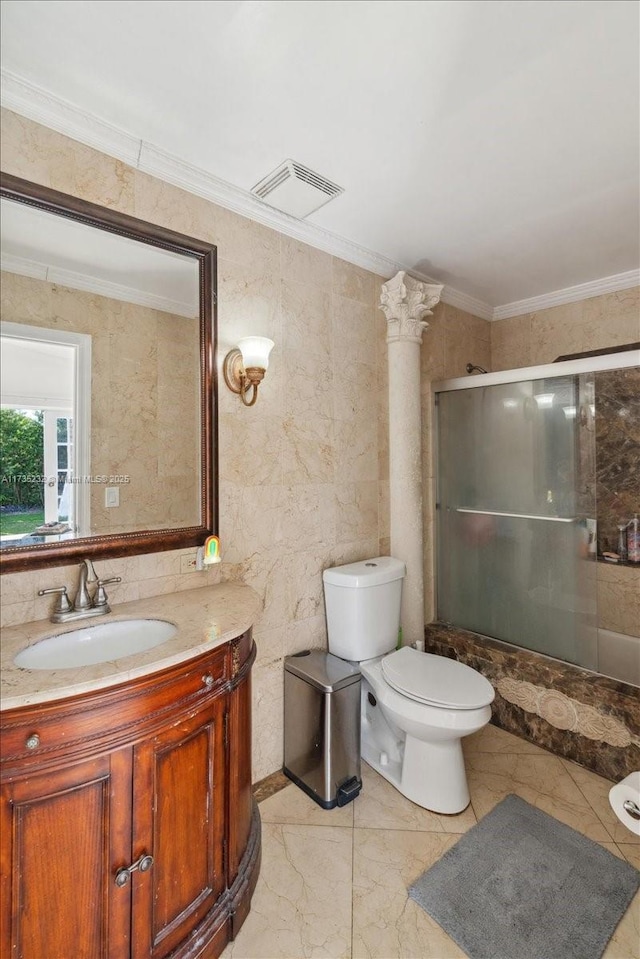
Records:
x=493, y=145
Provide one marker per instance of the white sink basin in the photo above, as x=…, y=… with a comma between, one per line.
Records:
x=98, y=643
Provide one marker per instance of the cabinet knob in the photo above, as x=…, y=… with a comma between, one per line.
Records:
x=144, y=863
x=33, y=741
x=208, y=680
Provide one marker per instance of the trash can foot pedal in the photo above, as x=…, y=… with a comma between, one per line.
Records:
x=349, y=790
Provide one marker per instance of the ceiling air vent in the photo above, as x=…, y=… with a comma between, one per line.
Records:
x=296, y=190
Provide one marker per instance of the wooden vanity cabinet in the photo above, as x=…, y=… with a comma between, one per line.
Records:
x=127, y=823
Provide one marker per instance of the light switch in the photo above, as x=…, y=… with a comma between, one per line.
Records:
x=112, y=496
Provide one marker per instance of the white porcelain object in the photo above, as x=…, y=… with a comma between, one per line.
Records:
x=416, y=707
x=94, y=644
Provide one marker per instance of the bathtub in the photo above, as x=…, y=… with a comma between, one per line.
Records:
x=619, y=656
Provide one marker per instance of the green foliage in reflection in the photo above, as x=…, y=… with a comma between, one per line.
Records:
x=21, y=459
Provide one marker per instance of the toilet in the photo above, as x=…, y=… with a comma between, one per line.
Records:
x=415, y=707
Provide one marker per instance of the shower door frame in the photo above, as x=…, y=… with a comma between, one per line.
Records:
x=593, y=364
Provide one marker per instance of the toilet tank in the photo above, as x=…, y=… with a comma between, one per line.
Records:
x=363, y=607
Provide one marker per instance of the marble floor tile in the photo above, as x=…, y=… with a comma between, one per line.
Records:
x=386, y=923
x=334, y=883
x=631, y=853
x=292, y=805
x=542, y=781
x=381, y=806
x=596, y=791
x=492, y=739
x=625, y=942
x=302, y=903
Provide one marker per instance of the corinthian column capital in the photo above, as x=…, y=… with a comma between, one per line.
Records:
x=404, y=301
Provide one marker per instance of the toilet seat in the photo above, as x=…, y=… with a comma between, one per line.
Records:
x=436, y=680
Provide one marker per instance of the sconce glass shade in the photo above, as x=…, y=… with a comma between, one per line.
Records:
x=255, y=351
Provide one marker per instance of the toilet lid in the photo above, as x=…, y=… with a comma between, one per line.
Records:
x=436, y=680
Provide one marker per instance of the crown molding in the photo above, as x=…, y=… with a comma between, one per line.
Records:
x=571, y=294
x=94, y=284
x=35, y=103
x=51, y=111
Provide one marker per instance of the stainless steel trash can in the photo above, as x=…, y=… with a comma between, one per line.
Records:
x=322, y=727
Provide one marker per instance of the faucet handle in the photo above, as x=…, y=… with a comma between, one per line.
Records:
x=63, y=605
x=101, y=596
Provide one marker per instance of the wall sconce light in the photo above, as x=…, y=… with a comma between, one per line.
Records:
x=245, y=366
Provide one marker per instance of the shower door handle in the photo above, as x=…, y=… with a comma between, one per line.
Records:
x=494, y=512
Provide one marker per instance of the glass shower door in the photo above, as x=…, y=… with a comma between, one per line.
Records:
x=515, y=497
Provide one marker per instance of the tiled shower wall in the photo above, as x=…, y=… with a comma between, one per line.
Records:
x=304, y=473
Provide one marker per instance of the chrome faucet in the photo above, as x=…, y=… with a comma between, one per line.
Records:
x=85, y=604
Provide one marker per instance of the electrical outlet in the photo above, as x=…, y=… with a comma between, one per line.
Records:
x=188, y=563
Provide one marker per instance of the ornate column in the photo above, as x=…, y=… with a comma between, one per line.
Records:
x=405, y=301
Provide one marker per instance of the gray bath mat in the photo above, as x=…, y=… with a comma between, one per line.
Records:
x=521, y=885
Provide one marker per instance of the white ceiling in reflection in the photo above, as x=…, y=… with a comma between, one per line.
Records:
x=54, y=248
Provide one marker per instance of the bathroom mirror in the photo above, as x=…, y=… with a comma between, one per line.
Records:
x=108, y=389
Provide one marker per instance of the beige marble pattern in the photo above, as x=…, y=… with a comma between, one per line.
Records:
x=296, y=911
x=612, y=319
x=143, y=360
x=151, y=574
x=205, y=619
x=541, y=780
x=36, y=153
x=386, y=922
x=385, y=843
x=381, y=806
x=619, y=599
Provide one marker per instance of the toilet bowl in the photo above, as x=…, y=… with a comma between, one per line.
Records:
x=415, y=707
x=428, y=765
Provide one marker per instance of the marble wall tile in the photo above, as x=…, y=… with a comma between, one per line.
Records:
x=555, y=332
x=306, y=319
x=309, y=449
x=267, y=718
x=308, y=633
x=356, y=510
x=458, y=352
x=466, y=326
x=248, y=302
x=596, y=323
x=617, y=452
x=305, y=597
x=310, y=518
x=619, y=599
x=511, y=343
x=303, y=264
x=36, y=153
x=293, y=498
x=611, y=320
x=353, y=332
x=354, y=282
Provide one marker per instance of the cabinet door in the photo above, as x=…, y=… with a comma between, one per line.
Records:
x=71, y=830
x=179, y=815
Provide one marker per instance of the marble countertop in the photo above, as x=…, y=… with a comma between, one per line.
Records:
x=206, y=617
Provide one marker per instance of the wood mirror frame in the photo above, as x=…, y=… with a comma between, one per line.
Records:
x=13, y=559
